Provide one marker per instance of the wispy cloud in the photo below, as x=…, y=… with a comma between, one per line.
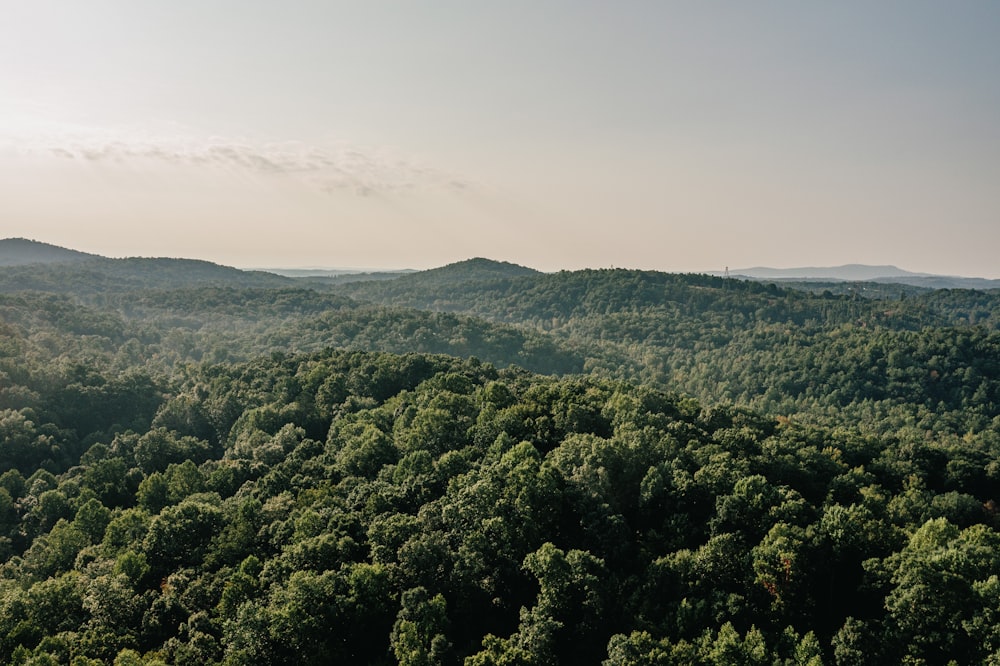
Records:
x=333, y=167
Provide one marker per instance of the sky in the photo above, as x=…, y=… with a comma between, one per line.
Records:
x=558, y=134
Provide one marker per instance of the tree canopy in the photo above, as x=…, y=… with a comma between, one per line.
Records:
x=613, y=467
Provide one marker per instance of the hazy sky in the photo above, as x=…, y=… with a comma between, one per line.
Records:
x=557, y=134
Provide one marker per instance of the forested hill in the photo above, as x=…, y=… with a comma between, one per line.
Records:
x=438, y=288
x=470, y=270
x=100, y=275
x=21, y=251
x=539, y=298
x=928, y=361
x=49, y=340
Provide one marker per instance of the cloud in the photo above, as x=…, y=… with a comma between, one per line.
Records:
x=333, y=167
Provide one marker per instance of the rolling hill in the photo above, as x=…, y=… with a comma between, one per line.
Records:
x=22, y=251
x=27, y=265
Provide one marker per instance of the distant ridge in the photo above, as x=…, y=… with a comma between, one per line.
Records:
x=849, y=272
x=331, y=272
x=863, y=273
x=23, y=251
x=27, y=265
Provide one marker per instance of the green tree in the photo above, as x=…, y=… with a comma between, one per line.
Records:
x=419, y=635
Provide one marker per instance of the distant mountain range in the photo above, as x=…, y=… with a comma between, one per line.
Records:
x=20, y=253
x=335, y=276
x=849, y=272
x=862, y=273
x=330, y=272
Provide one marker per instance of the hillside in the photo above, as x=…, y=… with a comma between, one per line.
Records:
x=426, y=289
x=878, y=362
x=820, y=357
x=93, y=276
x=470, y=270
x=21, y=251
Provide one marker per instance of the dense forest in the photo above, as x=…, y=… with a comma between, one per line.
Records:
x=483, y=464
x=887, y=361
